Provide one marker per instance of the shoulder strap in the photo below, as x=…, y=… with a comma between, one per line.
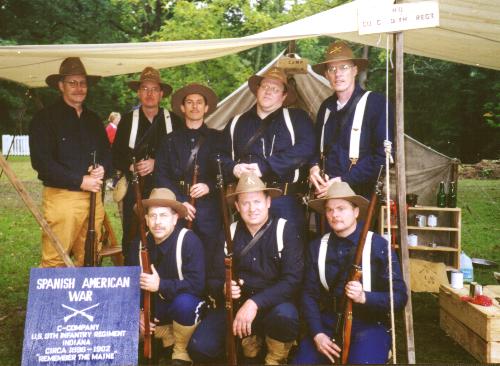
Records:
x=323, y=247
x=366, y=263
x=232, y=229
x=255, y=239
x=231, y=131
x=356, y=128
x=322, y=141
x=194, y=153
x=178, y=252
x=168, y=121
x=280, y=228
x=133, y=128
x=289, y=125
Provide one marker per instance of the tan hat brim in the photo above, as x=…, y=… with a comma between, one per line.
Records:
x=318, y=205
x=320, y=68
x=273, y=193
x=158, y=202
x=167, y=89
x=53, y=80
x=254, y=82
x=179, y=95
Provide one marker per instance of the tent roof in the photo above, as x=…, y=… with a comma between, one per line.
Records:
x=469, y=33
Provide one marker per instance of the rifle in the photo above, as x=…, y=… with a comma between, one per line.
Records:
x=322, y=174
x=344, y=322
x=229, y=271
x=146, y=267
x=192, y=200
x=90, y=257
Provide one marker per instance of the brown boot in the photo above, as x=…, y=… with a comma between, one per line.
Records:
x=182, y=335
x=166, y=334
x=251, y=346
x=277, y=352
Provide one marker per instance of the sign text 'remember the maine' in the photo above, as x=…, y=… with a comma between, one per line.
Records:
x=82, y=316
x=398, y=17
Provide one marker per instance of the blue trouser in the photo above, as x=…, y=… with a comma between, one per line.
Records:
x=370, y=344
x=184, y=309
x=291, y=209
x=208, y=341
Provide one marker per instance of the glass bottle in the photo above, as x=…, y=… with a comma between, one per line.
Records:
x=452, y=195
x=441, y=195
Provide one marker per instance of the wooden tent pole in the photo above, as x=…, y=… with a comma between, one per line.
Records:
x=401, y=192
x=28, y=201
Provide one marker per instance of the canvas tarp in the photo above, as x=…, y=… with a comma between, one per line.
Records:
x=425, y=167
x=469, y=33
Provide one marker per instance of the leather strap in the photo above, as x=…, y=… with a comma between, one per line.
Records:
x=254, y=240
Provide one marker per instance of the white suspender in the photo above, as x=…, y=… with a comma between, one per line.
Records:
x=289, y=125
x=322, y=142
x=356, y=129
x=366, y=279
x=279, y=235
x=178, y=252
x=135, y=126
x=231, y=131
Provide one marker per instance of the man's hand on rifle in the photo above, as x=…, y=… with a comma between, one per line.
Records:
x=242, y=325
x=326, y=346
x=97, y=172
x=144, y=167
x=322, y=191
x=199, y=190
x=315, y=177
x=150, y=282
x=142, y=325
x=91, y=184
x=354, y=291
x=241, y=168
x=191, y=211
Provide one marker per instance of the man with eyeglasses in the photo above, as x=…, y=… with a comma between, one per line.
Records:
x=137, y=137
x=272, y=141
x=63, y=138
x=350, y=126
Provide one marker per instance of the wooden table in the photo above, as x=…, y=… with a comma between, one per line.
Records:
x=476, y=328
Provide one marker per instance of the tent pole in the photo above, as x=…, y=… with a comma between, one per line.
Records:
x=28, y=201
x=401, y=192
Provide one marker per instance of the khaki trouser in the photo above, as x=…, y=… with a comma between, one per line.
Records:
x=67, y=214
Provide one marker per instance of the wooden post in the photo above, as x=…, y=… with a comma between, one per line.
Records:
x=28, y=201
x=401, y=192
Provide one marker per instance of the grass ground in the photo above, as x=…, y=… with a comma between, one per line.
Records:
x=20, y=251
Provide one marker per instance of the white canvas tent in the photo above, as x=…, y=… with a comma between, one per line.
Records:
x=469, y=33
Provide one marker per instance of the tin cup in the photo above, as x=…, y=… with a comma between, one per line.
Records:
x=457, y=280
x=420, y=220
x=432, y=220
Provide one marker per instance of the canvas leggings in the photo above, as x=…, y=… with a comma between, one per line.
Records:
x=67, y=213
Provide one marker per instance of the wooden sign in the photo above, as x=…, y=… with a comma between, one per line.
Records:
x=82, y=316
x=398, y=17
x=293, y=65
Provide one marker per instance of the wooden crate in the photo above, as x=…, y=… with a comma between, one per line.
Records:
x=476, y=328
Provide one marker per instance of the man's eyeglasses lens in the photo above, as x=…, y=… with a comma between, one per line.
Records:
x=341, y=68
x=270, y=88
x=162, y=216
x=149, y=90
x=75, y=83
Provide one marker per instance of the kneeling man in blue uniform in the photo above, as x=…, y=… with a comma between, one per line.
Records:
x=178, y=278
x=328, y=261
x=268, y=262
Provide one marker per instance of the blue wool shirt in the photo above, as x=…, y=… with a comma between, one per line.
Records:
x=338, y=259
x=269, y=279
x=362, y=176
x=273, y=151
x=61, y=143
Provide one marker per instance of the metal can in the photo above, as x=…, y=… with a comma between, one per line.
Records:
x=420, y=220
x=478, y=290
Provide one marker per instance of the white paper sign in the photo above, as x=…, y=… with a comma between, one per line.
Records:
x=398, y=17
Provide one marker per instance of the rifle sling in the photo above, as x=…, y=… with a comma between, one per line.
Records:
x=194, y=152
x=254, y=240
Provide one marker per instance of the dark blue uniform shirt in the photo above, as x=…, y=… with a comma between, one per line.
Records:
x=339, y=255
x=273, y=151
x=61, y=144
x=362, y=176
x=269, y=279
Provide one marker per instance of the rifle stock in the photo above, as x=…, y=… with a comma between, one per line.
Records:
x=192, y=200
x=90, y=258
x=146, y=266
x=231, y=352
x=355, y=273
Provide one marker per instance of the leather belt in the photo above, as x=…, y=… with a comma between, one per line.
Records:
x=288, y=188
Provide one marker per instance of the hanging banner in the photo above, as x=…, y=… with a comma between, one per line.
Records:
x=398, y=17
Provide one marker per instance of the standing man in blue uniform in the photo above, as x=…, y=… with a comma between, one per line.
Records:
x=62, y=138
x=178, y=278
x=192, y=146
x=137, y=137
x=328, y=262
x=268, y=261
x=273, y=142
x=350, y=126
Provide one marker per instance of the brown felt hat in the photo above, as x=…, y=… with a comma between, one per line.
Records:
x=164, y=197
x=150, y=74
x=70, y=66
x=249, y=182
x=339, y=51
x=179, y=95
x=341, y=190
x=277, y=74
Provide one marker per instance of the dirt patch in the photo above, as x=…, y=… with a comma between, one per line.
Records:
x=485, y=169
